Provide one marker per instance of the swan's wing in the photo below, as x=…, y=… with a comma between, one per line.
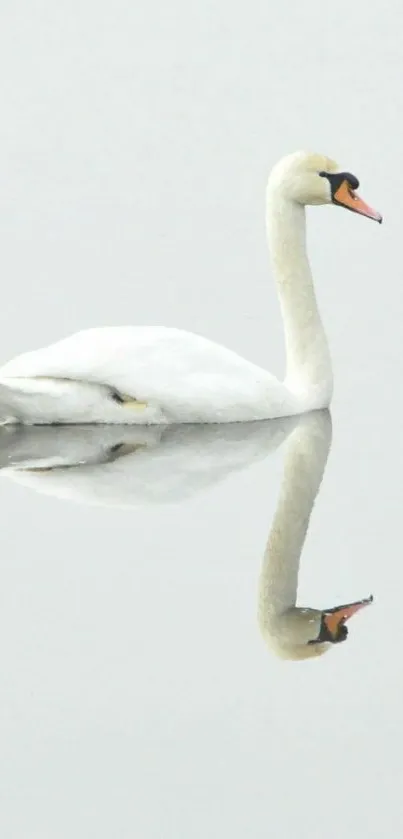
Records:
x=181, y=372
x=130, y=466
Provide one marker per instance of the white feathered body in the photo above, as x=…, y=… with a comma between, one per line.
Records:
x=181, y=377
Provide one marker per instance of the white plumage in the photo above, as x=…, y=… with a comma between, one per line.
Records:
x=180, y=377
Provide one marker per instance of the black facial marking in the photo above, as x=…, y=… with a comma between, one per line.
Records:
x=326, y=636
x=336, y=179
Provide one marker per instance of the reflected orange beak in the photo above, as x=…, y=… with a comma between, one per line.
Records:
x=346, y=197
x=337, y=617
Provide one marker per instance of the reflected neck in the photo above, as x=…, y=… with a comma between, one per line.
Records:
x=305, y=461
x=309, y=367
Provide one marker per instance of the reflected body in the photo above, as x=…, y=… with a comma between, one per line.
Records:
x=290, y=631
x=157, y=375
x=125, y=466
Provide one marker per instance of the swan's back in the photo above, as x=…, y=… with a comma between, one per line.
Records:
x=183, y=373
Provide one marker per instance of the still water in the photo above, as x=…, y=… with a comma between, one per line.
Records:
x=140, y=691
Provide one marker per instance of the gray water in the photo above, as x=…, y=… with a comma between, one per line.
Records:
x=137, y=697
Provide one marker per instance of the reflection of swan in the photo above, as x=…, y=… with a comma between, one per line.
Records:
x=146, y=375
x=122, y=465
x=290, y=631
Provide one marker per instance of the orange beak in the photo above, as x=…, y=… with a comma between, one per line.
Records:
x=346, y=197
x=337, y=617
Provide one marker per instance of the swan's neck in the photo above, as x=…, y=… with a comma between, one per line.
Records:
x=309, y=370
x=305, y=461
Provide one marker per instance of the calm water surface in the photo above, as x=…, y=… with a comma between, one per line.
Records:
x=137, y=695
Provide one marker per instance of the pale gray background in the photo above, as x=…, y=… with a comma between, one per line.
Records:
x=136, y=695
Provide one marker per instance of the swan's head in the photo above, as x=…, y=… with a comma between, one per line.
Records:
x=308, y=633
x=314, y=179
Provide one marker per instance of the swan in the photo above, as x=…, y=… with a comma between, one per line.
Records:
x=158, y=375
x=131, y=466
x=289, y=631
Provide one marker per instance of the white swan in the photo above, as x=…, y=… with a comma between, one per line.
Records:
x=293, y=632
x=154, y=375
